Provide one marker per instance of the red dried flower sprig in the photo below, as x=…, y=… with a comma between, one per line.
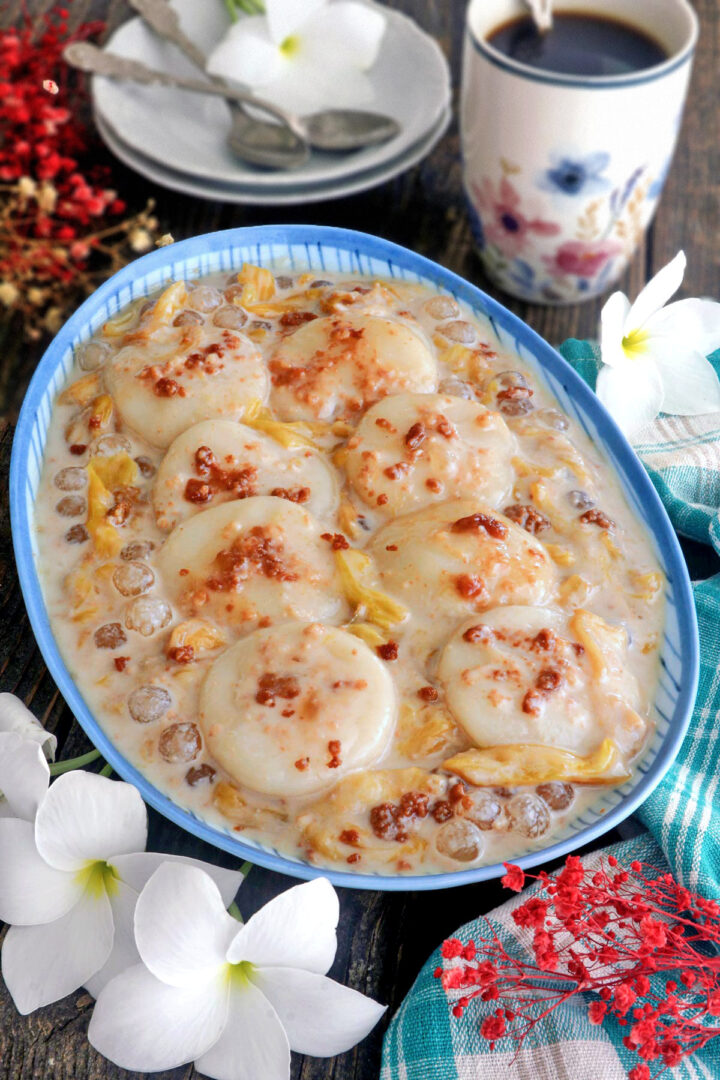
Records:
x=57, y=234
x=607, y=931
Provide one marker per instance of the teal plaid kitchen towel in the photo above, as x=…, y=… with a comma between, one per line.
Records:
x=424, y=1041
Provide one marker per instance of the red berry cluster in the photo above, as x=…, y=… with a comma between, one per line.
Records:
x=605, y=931
x=57, y=235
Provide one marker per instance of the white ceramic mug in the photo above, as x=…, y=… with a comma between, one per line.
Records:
x=563, y=172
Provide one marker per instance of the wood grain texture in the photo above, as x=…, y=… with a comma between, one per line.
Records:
x=383, y=938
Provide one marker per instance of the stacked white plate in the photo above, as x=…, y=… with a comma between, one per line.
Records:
x=178, y=139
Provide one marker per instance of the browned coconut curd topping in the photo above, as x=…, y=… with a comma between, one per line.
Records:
x=335, y=572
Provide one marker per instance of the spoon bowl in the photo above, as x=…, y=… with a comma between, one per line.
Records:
x=348, y=129
x=269, y=146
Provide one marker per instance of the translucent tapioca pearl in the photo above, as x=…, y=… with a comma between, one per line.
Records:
x=137, y=549
x=180, y=742
x=77, y=534
x=92, y=354
x=147, y=615
x=188, y=318
x=459, y=331
x=229, y=317
x=487, y=811
x=528, y=815
x=204, y=298
x=557, y=795
x=145, y=466
x=109, y=445
x=460, y=840
x=109, y=636
x=580, y=500
x=133, y=578
x=71, y=479
x=517, y=407
x=552, y=419
x=71, y=506
x=283, y=281
x=199, y=774
x=456, y=387
x=233, y=293
x=148, y=703
x=320, y=283
x=441, y=307
x=510, y=378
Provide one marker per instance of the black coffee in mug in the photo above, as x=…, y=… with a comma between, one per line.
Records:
x=578, y=44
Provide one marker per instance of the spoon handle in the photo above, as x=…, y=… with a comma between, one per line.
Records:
x=90, y=58
x=165, y=21
x=542, y=14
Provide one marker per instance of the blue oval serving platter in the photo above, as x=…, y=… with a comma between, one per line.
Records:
x=304, y=247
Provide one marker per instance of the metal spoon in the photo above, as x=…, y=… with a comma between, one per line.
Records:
x=280, y=143
x=330, y=129
x=294, y=152
x=277, y=146
x=541, y=11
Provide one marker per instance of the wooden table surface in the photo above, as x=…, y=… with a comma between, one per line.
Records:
x=383, y=937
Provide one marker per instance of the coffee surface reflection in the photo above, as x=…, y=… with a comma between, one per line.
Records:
x=579, y=44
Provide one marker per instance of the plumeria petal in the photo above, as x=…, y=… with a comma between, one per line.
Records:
x=690, y=321
x=656, y=293
x=137, y=869
x=297, y=927
x=690, y=382
x=15, y=716
x=247, y=54
x=284, y=17
x=124, y=952
x=253, y=1044
x=141, y=1023
x=321, y=1017
x=41, y=964
x=612, y=328
x=304, y=87
x=349, y=32
x=86, y=817
x=633, y=394
x=24, y=775
x=182, y=930
x=31, y=891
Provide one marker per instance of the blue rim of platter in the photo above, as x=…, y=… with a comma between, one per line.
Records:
x=287, y=247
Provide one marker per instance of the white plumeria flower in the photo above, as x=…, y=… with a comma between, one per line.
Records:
x=655, y=356
x=303, y=54
x=25, y=746
x=233, y=999
x=69, y=884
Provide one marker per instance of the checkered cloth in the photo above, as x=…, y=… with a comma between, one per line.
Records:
x=682, y=816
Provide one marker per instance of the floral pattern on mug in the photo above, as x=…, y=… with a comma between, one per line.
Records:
x=576, y=175
x=584, y=259
x=539, y=259
x=504, y=225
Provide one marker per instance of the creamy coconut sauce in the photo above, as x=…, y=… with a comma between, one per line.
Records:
x=334, y=571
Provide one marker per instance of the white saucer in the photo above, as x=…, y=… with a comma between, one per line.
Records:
x=265, y=196
x=185, y=132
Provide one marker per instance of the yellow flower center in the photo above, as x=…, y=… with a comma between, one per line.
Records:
x=98, y=877
x=635, y=343
x=290, y=46
x=239, y=974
